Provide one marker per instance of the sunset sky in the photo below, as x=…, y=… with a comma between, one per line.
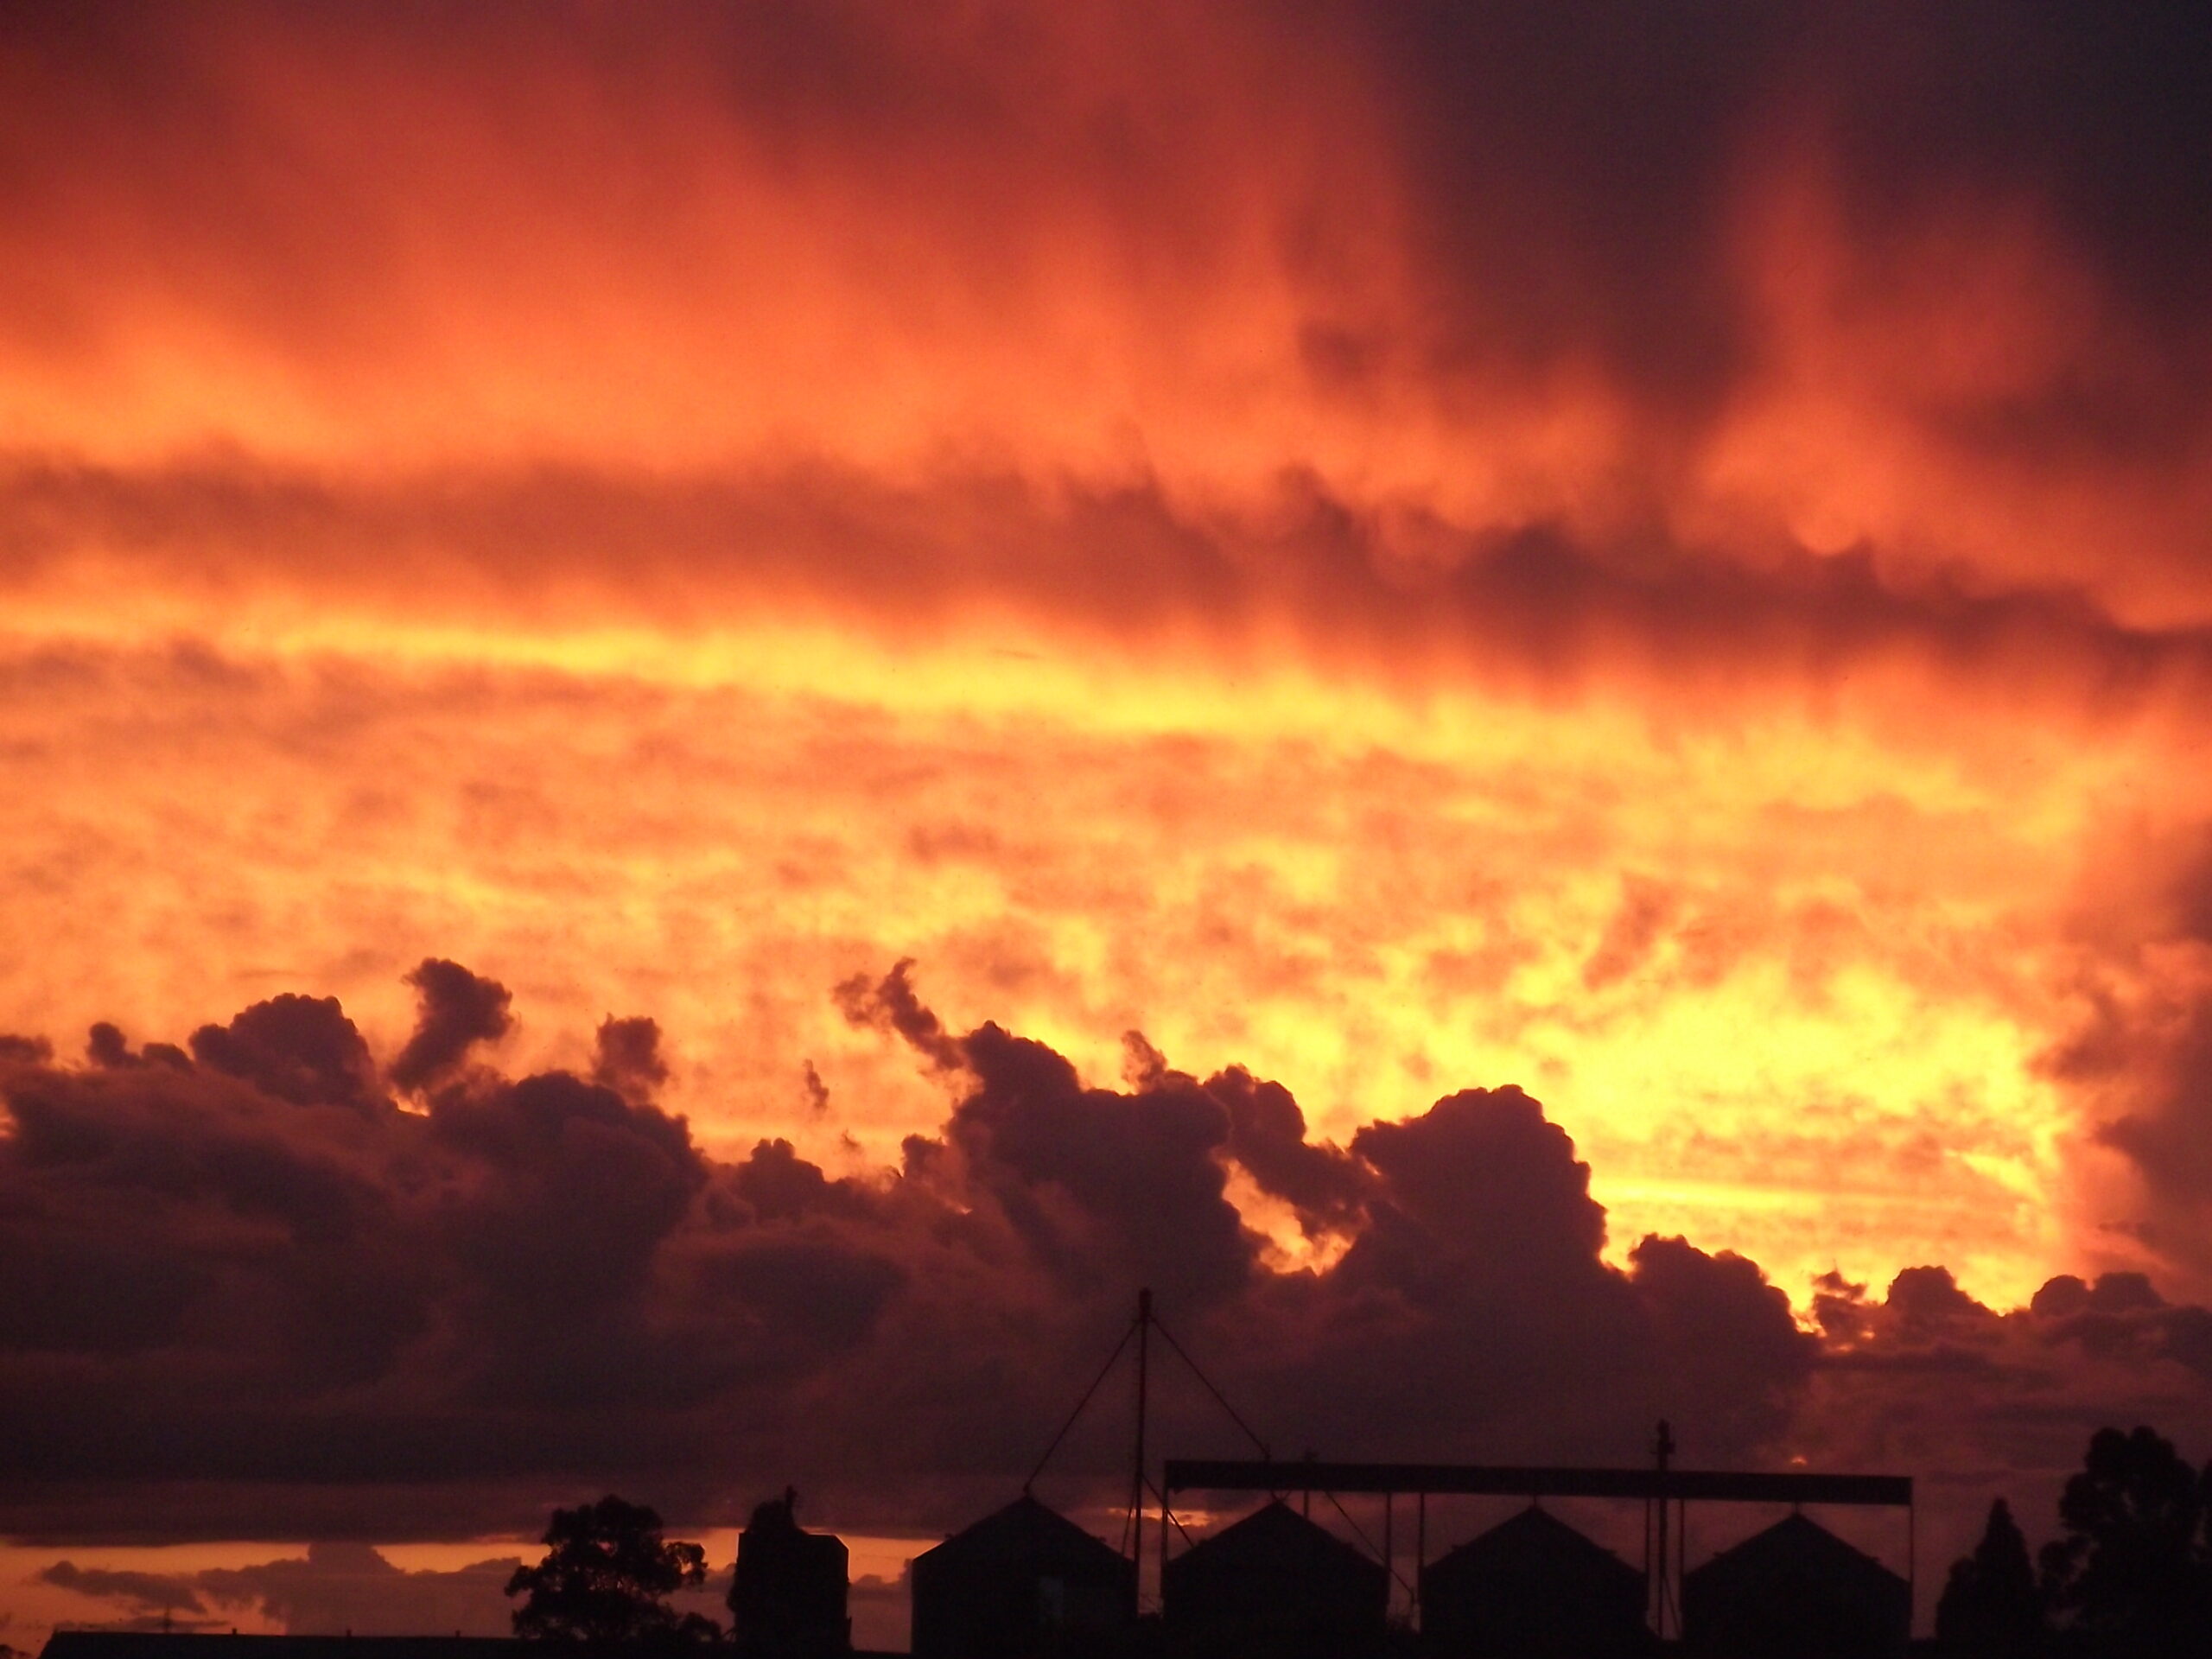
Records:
x=906, y=664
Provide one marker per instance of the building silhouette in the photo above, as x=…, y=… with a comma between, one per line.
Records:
x=788, y=1594
x=1533, y=1587
x=1795, y=1591
x=1273, y=1586
x=1024, y=1583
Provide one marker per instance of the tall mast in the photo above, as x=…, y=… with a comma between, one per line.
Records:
x=1662, y=1447
x=1136, y=1471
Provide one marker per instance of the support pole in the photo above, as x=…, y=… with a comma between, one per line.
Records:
x=1165, y=1520
x=1682, y=1557
x=1912, y=1567
x=1663, y=1448
x=1389, y=1554
x=1136, y=1471
x=1648, y=1581
x=1420, y=1549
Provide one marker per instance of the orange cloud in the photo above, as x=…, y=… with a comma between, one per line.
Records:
x=1405, y=549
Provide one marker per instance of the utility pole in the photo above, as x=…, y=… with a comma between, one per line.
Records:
x=1136, y=1473
x=1663, y=1448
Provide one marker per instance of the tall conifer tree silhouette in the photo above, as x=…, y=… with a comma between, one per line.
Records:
x=1990, y=1608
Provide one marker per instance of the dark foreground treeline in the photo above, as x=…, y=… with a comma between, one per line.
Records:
x=2130, y=1573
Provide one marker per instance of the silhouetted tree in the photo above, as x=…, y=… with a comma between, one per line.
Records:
x=606, y=1575
x=1990, y=1608
x=2134, y=1566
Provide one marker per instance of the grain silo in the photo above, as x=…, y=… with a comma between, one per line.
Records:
x=1024, y=1583
x=1533, y=1588
x=1275, y=1586
x=1795, y=1591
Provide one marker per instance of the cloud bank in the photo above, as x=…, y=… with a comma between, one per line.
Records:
x=258, y=1285
x=1803, y=414
x=1658, y=551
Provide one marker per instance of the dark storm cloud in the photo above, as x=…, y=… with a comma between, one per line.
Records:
x=1603, y=143
x=626, y=1056
x=1471, y=1313
x=303, y=1048
x=2030, y=1360
x=2102, y=116
x=1476, y=1278
x=106, y=1046
x=2121, y=1316
x=580, y=1191
x=1980, y=1403
x=1481, y=1176
x=1575, y=165
x=1573, y=161
x=457, y=1010
x=539, y=1279
x=228, y=1303
x=890, y=1004
x=1098, y=1184
x=1266, y=1136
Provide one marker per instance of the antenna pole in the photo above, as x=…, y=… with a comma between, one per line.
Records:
x=1421, y=1552
x=1166, y=1515
x=1136, y=1473
x=1389, y=1552
x=1663, y=1448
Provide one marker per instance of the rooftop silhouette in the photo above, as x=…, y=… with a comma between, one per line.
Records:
x=1021, y=1581
x=1794, y=1591
x=1533, y=1587
x=1273, y=1584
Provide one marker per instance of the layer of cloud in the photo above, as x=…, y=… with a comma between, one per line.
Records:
x=1365, y=903
x=1753, y=364
x=313, y=1305
x=677, y=510
x=334, y=1589
x=1296, y=571
x=1745, y=284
